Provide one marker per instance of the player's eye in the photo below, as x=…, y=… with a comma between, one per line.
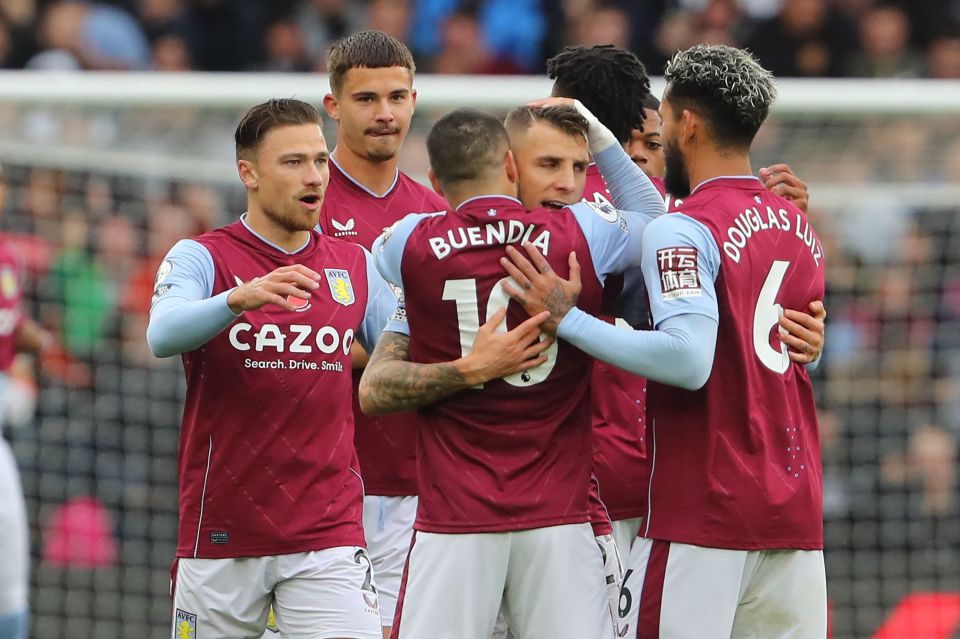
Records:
x=321, y=161
x=292, y=162
x=398, y=97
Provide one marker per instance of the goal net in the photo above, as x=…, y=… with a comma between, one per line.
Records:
x=102, y=173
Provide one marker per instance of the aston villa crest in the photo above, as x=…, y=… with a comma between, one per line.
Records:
x=341, y=289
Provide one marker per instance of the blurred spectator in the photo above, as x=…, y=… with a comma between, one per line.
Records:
x=224, y=35
x=806, y=39
x=511, y=29
x=321, y=22
x=79, y=286
x=943, y=58
x=390, y=16
x=159, y=17
x=171, y=53
x=885, y=50
x=285, y=48
x=99, y=36
x=464, y=50
x=603, y=24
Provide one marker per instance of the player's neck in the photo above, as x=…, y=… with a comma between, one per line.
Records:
x=713, y=165
x=456, y=197
x=377, y=177
x=259, y=223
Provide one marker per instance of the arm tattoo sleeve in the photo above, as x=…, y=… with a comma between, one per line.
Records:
x=391, y=383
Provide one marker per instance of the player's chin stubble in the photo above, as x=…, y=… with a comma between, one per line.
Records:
x=294, y=221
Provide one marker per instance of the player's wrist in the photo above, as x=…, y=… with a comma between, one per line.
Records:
x=599, y=137
x=235, y=301
x=471, y=372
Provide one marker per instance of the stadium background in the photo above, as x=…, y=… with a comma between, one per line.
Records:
x=103, y=172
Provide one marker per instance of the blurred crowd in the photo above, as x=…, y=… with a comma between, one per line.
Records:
x=97, y=444
x=98, y=449
x=794, y=38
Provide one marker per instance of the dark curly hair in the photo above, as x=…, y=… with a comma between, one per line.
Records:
x=611, y=82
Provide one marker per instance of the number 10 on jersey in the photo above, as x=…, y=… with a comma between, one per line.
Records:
x=464, y=293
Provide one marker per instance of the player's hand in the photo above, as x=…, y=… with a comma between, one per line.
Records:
x=276, y=287
x=804, y=333
x=780, y=179
x=498, y=354
x=552, y=101
x=541, y=289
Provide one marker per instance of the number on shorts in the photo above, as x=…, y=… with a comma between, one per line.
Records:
x=360, y=558
x=626, y=599
x=464, y=293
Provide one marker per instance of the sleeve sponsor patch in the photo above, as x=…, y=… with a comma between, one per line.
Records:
x=679, y=273
x=166, y=267
x=159, y=288
x=400, y=315
x=603, y=207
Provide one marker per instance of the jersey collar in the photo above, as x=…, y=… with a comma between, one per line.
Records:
x=743, y=180
x=393, y=185
x=243, y=220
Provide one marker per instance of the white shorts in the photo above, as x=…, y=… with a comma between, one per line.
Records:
x=14, y=537
x=317, y=595
x=549, y=581
x=625, y=533
x=388, y=529
x=679, y=591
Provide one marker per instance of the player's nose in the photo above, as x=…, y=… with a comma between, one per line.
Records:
x=313, y=177
x=384, y=113
x=566, y=181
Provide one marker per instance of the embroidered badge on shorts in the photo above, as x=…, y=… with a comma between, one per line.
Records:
x=185, y=625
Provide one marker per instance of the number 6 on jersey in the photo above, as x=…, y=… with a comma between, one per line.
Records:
x=464, y=293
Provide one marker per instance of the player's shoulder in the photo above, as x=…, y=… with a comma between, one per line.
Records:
x=395, y=236
x=722, y=193
x=675, y=221
x=411, y=187
x=412, y=222
x=598, y=212
x=219, y=234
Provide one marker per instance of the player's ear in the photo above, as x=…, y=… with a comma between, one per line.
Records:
x=510, y=163
x=413, y=97
x=248, y=174
x=690, y=125
x=435, y=183
x=332, y=107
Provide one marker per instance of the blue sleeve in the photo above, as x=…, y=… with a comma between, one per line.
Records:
x=183, y=316
x=381, y=307
x=681, y=263
x=614, y=237
x=679, y=353
x=387, y=249
x=630, y=188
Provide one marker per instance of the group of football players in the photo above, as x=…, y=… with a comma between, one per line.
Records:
x=578, y=404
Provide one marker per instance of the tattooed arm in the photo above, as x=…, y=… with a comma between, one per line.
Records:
x=391, y=383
